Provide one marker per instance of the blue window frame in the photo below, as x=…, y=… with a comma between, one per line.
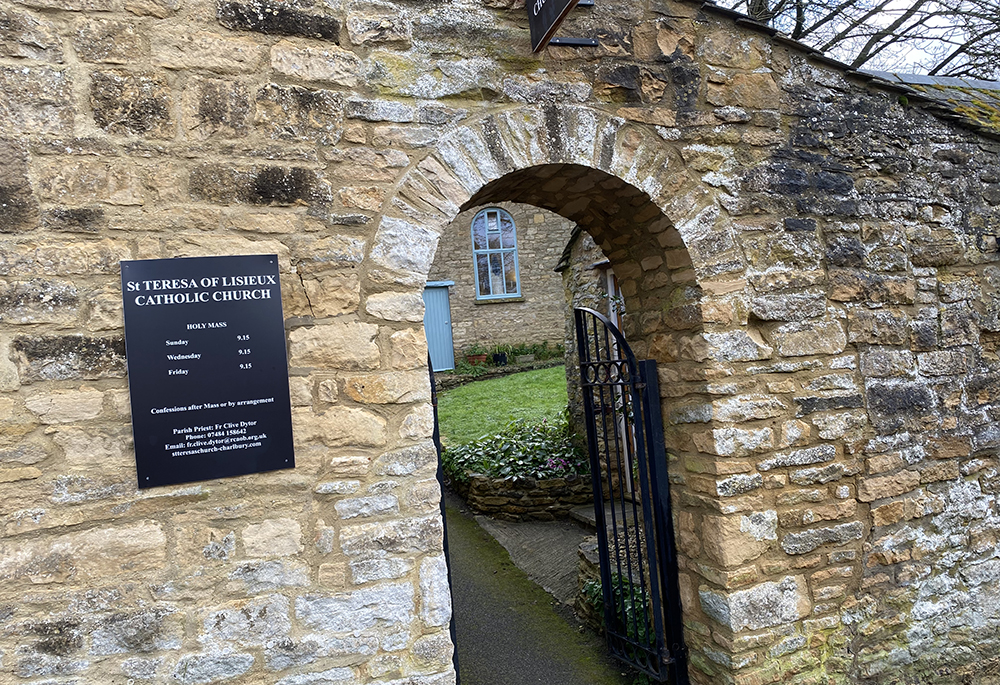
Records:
x=494, y=252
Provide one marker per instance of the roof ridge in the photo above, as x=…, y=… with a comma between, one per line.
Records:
x=925, y=80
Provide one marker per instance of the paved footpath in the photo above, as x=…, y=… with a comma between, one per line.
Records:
x=509, y=630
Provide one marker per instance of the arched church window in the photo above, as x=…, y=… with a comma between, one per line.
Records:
x=494, y=250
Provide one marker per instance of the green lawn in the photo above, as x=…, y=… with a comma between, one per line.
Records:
x=483, y=407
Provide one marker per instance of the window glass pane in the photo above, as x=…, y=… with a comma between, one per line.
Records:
x=493, y=229
x=496, y=273
x=507, y=230
x=483, y=274
x=510, y=272
x=479, y=232
x=494, y=233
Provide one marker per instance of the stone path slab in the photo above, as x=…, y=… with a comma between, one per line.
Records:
x=545, y=550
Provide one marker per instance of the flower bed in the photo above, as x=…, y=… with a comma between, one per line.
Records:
x=446, y=380
x=527, y=471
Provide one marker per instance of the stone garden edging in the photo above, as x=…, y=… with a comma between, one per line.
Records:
x=523, y=499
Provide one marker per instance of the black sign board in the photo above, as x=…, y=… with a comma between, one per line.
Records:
x=544, y=17
x=207, y=370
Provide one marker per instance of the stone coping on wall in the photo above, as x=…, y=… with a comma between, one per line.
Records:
x=524, y=499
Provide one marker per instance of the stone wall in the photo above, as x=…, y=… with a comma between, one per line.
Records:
x=147, y=129
x=584, y=286
x=797, y=248
x=525, y=499
x=538, y=314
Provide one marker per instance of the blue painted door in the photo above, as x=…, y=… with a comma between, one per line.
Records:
x=437, y=326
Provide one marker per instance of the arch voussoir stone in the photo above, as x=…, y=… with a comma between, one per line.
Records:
x=474, y=144
x=581, y=125
x=419, y=198
x=518, y=129
x=497, y=146
x=463, y=169
x=443, y=181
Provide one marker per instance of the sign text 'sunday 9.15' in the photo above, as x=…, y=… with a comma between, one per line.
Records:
x=208, y=373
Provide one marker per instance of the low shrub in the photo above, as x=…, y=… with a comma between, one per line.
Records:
x=464, y=368
x=631, y=606
x=522, y=449
x=542, y=350
x=476, y=348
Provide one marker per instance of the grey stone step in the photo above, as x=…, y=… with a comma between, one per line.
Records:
x=586, y=515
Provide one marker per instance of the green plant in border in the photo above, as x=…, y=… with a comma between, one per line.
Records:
x=523, y=449
x=477, y=349
x=631, y=606
x=501, y=348
x=542, y=350
x=475, y=370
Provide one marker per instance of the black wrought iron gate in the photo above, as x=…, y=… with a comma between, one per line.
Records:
x=621, y=401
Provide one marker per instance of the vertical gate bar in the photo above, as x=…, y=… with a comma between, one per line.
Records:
x=583, y=350
x=661, y=479
x=624, y=459
x=617, y=626
x=632, y=539
x=611, y=625
x=611, y=439
x=642, y=442
x=619, y=451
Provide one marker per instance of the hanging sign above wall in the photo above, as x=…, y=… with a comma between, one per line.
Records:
x=207, y=369
x=544, y=18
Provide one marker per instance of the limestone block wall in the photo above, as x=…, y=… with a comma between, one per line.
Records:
x=525, y=499
x=538, y=315
x=863, y=468
x=799, y=250
x=132, y=130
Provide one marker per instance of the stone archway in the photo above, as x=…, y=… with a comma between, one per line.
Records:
x=627, y=186
x=834, y=394
x=623, y=184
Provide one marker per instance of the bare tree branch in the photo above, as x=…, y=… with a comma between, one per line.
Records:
x=938, y=37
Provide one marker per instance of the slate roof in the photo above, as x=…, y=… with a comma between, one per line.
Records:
x=970, y=103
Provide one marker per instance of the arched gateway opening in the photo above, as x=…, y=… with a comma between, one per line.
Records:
x=656, y=275
x=635, y=542
x=809, y=257
x=698, y=287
